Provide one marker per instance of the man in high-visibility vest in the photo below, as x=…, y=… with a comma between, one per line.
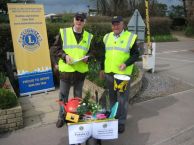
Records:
x=72, y=51
x=120, y=54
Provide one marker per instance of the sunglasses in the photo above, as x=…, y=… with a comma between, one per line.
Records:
x=79, y=19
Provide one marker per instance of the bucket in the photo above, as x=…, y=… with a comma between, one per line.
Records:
x=121, y=82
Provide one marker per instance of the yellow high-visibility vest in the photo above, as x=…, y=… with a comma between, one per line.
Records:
x=74, y=50
x=117, y=52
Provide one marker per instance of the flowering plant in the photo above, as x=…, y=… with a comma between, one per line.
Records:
x=88, y=106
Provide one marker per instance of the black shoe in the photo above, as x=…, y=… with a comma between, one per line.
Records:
x=59, y=123
x=121, y=128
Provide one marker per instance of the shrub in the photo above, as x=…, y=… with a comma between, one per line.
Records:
x=160, y=25
x=189, y=31
x=7, y=99
x=5, y=44
x=4, y=18
x=164, y=38
x=67, y=18
x=135, y=73
x=2, y=79
x=179, y=23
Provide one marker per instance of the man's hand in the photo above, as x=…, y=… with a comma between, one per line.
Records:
x=56, y=67
x=101, y=75
x=85, y=59
x=122, y=67
x=68, y=59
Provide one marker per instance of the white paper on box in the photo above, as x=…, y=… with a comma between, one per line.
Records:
x=79, y=133
x=105, y=130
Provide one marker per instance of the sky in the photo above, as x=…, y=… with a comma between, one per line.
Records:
x=61, y=6
x=171, y=2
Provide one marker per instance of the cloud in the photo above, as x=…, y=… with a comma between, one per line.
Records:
x=59, y=6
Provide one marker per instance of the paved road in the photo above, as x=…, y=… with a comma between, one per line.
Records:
x=176, y=59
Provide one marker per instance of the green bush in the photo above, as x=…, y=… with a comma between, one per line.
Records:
x=2, y=79
x=67, y=18
x=135, y=73
x=53, y=30
x=7, y=99
x=164, y=38
x=4, y=18
x=98, y=19
x=160, y=26
x=94, y=69
x=98, y=25
x=5, y=44
x=189, y=31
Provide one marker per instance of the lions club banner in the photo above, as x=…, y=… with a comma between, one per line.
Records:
x=30, y=48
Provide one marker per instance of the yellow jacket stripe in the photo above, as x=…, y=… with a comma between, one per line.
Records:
x=74, y=50
x=117, y=52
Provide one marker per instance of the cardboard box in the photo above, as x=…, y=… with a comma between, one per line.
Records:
x=98, y=129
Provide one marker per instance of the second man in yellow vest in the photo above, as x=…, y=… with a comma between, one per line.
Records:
x=120, y=54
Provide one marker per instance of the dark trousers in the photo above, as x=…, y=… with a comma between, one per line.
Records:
x=64, y=92
x=114, y=96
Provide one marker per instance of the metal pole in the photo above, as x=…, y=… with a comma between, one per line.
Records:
x=136, y=27
x=149, y=49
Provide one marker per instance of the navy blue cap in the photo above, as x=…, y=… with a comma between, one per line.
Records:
x=80, y=15
x=117, y=19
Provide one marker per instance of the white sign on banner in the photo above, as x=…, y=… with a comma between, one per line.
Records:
x=105, y=130
x=79, y=133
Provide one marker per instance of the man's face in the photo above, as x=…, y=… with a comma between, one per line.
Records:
x=117, y=27
x=78, y=22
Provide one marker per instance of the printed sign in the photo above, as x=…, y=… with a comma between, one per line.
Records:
x=100, y=129
x=31, y=49
x=105, y=130
x=79, y=133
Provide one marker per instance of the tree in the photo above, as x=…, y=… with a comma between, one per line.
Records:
x=127, y=7
x=3, y=6
x=160, y=9
x=188, y=6
x=176, y=11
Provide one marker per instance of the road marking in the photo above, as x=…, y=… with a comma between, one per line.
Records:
x=180, y=60
x=164, y=52
x=179, y=79
x=173, y=137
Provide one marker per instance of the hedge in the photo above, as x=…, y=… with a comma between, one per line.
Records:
x=160, y=26
x=99, y=26
x=189, y=31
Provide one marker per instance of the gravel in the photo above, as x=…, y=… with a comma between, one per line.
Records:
x=158, y=85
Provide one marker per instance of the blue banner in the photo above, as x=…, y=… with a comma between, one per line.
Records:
x=30, y=83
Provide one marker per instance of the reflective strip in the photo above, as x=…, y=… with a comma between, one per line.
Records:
x=117, y=48
x=106, y=39
x=64, y=37
x=129, y=41
x=89, y=38
x=75, y=46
